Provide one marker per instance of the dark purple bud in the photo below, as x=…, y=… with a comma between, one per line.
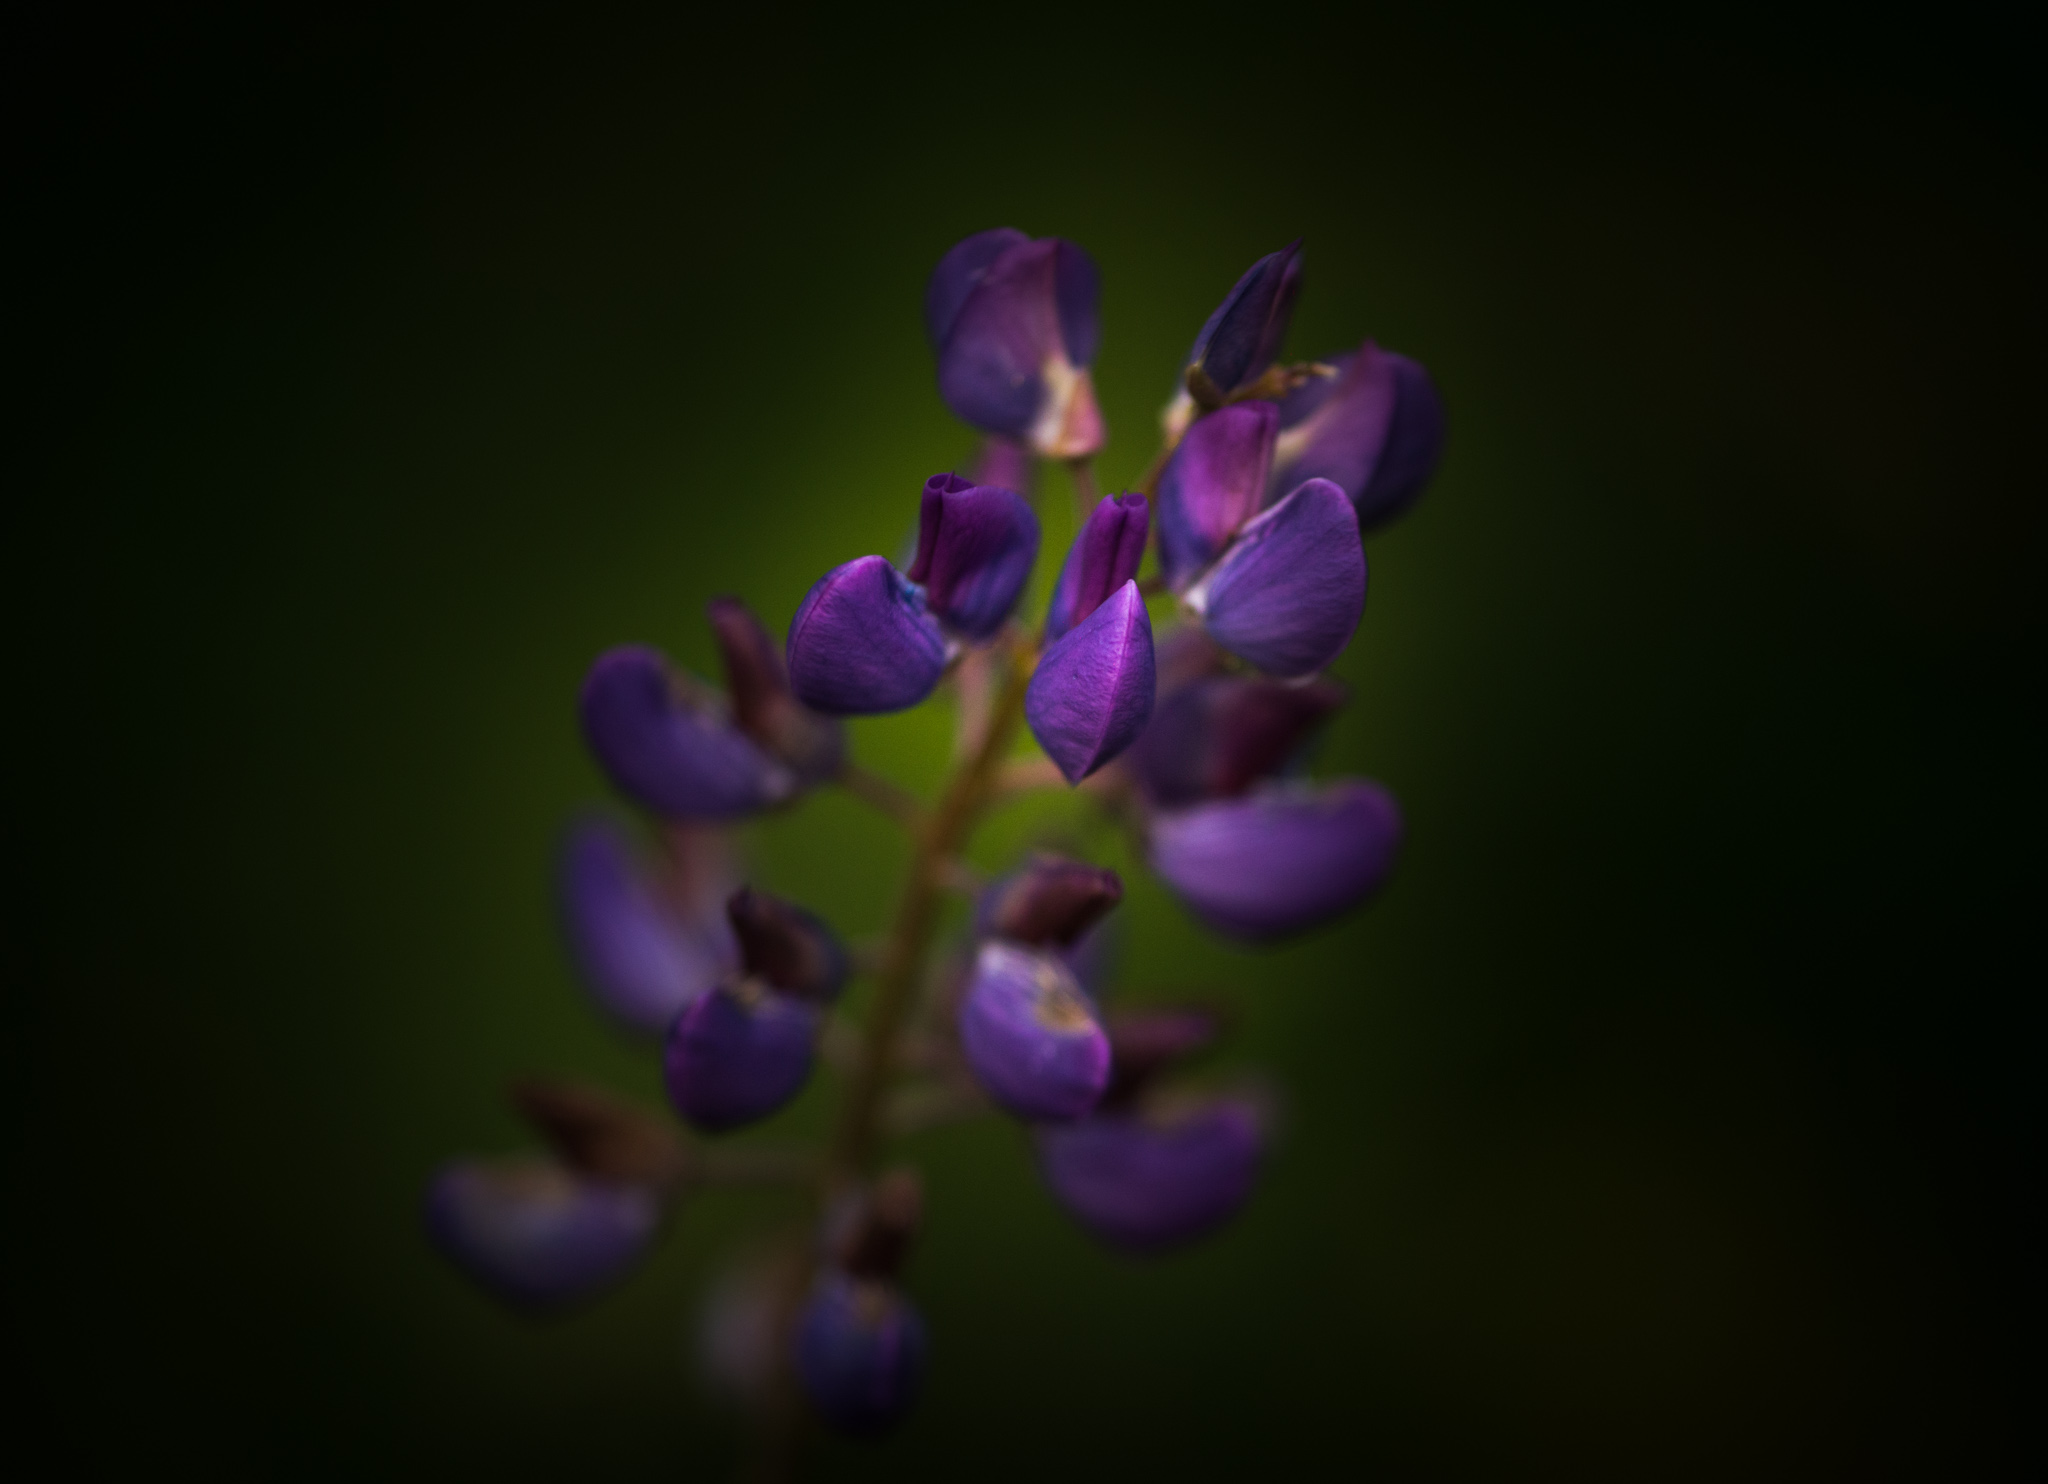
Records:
x=1217, y=737
x=764, y=707
x=975, y=547
x=860, y=1352
x=737, y=1054
x=1280, y=860
x=787, y=947
x=1031, y=1036
x=1144, y=1043
x=1288, y=594
x=1051, y=901
x=641, y=959
x=877, y=1238
x=1213, y=484
x=1376, y=430
x=1245, y=333
x=1091, y=694
x=862, y=643
x=667, y=746
x=1144, y=1186
x=602, y=1136
x=1015, y=334
x=533, y=1233
x=1102, y=559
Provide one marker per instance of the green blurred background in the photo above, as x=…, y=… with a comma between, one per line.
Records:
x=1676, y=1114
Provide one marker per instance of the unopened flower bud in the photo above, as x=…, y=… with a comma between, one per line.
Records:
x=537, y=1235
x=1014, y=324
x=1217, y=737
x=1091, y=694
x=1246, y=331
x=738, y=1054
x=1145, y=1185
x=1030, y=1035
x=877, y=1238
x=787, y=947
x=1051, y=900
x=1102, y=559
x=764, y=707
x=1376, y=430
x=862, y=643
x=1289, y=592
x=860, y=1353
x=1214, y=483
x=975, y=547
x=667, y=746
x=1278, y=860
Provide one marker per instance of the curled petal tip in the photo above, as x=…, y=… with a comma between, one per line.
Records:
x=862, y=643
x=1091, y=694
x=1289, y=592
x=975, y=548
x=669, y=749
x=1105, y=556
x=1214, y=483
x=736, y=1055
x=1030, y=1035
x=535, y=1234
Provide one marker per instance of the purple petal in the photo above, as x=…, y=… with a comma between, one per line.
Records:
x=1031, y=1036
x=1245, y=333
x=1077, y=287
x=787, y=947
x=1092, y=692
x=1102, y=559
x=1142, y=1187
x=534, y=1234
x=737, y=1055
x=668, y=751
x=640, y=958
x=1376, y=430
x=975, y=547
x=763, y=705
x=1050, y=900
x=862, y=643
x=1217, y=737
x=1004, y=363
x=860, y=1353
x=1278, y=861
x=1213, y=484
x=965, y=264
x=1288, y=594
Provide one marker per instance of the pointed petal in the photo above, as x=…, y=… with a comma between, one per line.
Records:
x=1245, y=332
x=1092, y=692
x=1031, y=1036
x=534, y=1234
x=862, y=643
x=735, y=1056
x=1281, y=860
x=1142, y=1187
x=668, y=752
x=1213, y=484
x=641, y=961
x=975, y=548
x=1102, y=559
x=1288, y=594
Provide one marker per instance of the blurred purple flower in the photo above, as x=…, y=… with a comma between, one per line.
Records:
x=1144, y=1185
x=764, y=707
x=1289, y=592
x=975, y=547
x=1216, y=737
x=738, y=1054
x=1050, y=901
x=862, y=642
x=1031, y=1036
x=860, y=1352
x=1213, y=484
x=666, y=743
x=787, y=947
x=1376, y=430
x=535, y=1234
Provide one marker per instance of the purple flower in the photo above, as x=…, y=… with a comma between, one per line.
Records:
x=764, y=707
x=1102, y=559
x=737, y=1054
x=1289, y=592
x=1376, y=430
x=1031, y=1036
x=1216, y=737
x=787, y=947
x=1092, y=691
x=533, y=1233
x=1146, y=1184
x=642, y=956
x=860, y=1352
x=1144, y=1043
x=975, y=547
x=666, y=744
x=862, y=643
x=1213, y=484
x=1279, y=860
x=1051, y=900
x=1013, y=322
x=1242, y=337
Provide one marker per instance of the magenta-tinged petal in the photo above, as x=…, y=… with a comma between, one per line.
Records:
x=1102, y=559
x=738, y=1054
x=975, y=547
x=763, y=705
x=1144, y=1186
x=1213, y=484
x=1280, y=860
x=959, y=272
x=533, y=1233
x=1376, y=430
x=862, y=643
x=1014, y=354
x=670, y=750
x=1288, y=594
x=1092, y=692
x=641, y=958
x=1218, y=736
x=1031, y=1036
x=1245, y=332
x=860, y=1353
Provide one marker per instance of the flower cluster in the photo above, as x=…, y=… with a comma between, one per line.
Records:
x=1192, y=737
